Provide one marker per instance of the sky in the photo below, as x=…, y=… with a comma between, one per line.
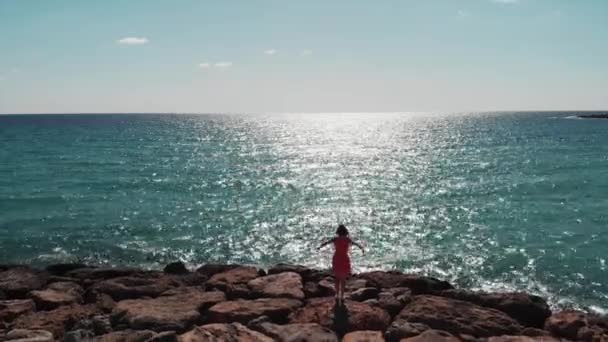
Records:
x=250, y=56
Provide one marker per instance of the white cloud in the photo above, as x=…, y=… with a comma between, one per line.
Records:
x=270, y=51
x=306, y=52
x=223, y=64
x=133, y=41
x=204, y=65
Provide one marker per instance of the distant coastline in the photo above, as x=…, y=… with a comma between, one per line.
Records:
x=593, y=116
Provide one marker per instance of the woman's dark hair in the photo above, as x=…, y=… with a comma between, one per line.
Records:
x=342, y=231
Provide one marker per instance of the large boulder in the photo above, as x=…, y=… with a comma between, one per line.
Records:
x=432, y=336
x=17, y=282
x=400, y=329
x=176, y=268
x=211, y=269
x=238, y=275
x=57, y=294
x=506, y=338
x=458, y=317
x=223, y=332
x=417, y=284
x=125, y=336
x=287, y=284
x=350, y=317
x=577, y=325
x=94, y=273
x=11, y=309
x=62, y=269
x=26, y=335
x=133, y=287
x=363, y=336
x=243, y=311
x=528, y=310
x=56, y=321
x=176, y=311
x=297, y=332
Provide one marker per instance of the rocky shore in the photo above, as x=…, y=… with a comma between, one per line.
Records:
x=593, y=116
x=75, y=302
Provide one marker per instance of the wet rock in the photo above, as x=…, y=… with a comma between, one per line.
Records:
x=577, y=325
x=355, y=315
x=401, y=329
x=56, y=321
x=126, y=336
x=26, y=335
x=243, y=311
x=57, y=294
x=238, y=275
x=94, y=274
x=17, y=282
x=458, y=317
x=286, y=284
x=176, y=268
x=433, y=336
x=11, y=309
x=166, y=336
x=211, y=269
x=133, y=287
x=417, y=284
x=297, y=332
x=363, y=294
x=62, y=269
x=176, y=312
x=363, y=336
x=223, y=332
x=528, y=310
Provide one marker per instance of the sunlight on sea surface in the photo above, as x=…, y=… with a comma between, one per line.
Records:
x=509, y=201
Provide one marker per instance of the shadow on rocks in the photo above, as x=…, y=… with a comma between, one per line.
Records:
x=340, y=324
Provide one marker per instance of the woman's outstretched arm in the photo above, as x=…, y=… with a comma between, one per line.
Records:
x=358, y=245
x=325, y=243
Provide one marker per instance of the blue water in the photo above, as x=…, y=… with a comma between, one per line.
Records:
x=497, y=201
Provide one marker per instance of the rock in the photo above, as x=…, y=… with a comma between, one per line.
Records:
x=238, y=275
x=62, y=269
x=96, y=325
x=327, y=286
x=101, y=273
x=223, y=332
x=401, y=329
x=104, y=302
x=176, y=312
x=176, y=268
x=78, y=335
x=243, y=311
x=354, y=284
x=166, y=336
x=303, y=271
x=312, y=289
x=211, y=269
x=391, y=304
x=133, y=287
x=528, y=310
x=417, y=284
x=56, y=321
x=126, y=336
x=432, y=336
x=25, y=335
x=16, y=282
x=534, y=332
x=458, y=317
x=286, y=284
x=237, y=291
x=357, y=316
x=363, y=294
x=297, y=332
x=577, y=325
x=11, y=309
x=190, y=279
x=363, y=336
x=506, y=338
x=57, y=294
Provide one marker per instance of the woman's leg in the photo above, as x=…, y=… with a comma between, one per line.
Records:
x=342, y=286
x=337, y=287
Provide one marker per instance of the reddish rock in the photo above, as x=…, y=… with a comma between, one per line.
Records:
x=104, y=302
x=62, y=269
x=506, y=338
x=243, y=311
x=432, y=336
x=359, y=316
x=126, y=336
x=363, y=336
x=534, y=332
x=577, y=325
x=528, y=310
x=327, y=286
x=57, y=294
x=223, y=332
x=25, y=335
x=211, y=269
x=363, y=294
x=92, y=273
x=312, y=289
x=16, y=282
x=417, y=284
x=297, y=332
x=56, y=321
x=303, y=271
x=176, y=312
x=401, y=329
x=166, y=336
x=11, y=309
x=238, y=275
x=287, y=284
x=133, y=287
x=458, y=317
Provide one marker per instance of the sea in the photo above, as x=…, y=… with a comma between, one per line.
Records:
x=501, y=201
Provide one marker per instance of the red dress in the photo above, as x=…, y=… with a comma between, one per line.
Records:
x=341, y=260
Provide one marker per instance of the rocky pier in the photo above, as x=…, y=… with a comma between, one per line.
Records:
x=76, y=302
